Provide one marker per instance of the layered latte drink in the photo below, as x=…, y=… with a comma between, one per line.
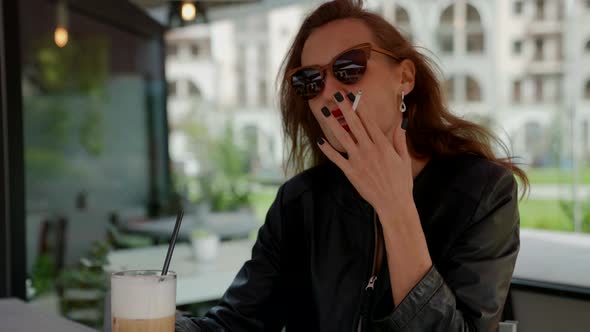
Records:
x=143, y=301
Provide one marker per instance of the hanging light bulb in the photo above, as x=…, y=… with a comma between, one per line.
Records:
x=188, y=11
x=61, y=35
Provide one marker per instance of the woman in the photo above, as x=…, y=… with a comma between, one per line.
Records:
x=407, y=221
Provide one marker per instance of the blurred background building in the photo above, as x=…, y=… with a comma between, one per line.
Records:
x=518, y=66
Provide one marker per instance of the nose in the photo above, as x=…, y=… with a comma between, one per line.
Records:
x=331, y=86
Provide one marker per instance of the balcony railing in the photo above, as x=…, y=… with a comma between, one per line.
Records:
x=539, y=66
x=544, y=27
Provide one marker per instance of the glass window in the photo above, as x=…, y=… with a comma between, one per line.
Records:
x=94, y=124
x=473, y=92
x=449, y=89
x=517, y=47
x=446, y=31
x=472, y=15
x=172, y=88
x=474, y=30
x=517, y=91
x=518, y=5
x=171, y=50
x=401, y=16
x=538, y=90
x=402, y=22
x=448, y=16
x=539, y=44
x=560, y=10
x=475, y=42
x=446, y=43
x=195, y=50
x=193, y=89
x=540, y=9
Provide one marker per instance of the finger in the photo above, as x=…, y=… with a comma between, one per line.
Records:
x=341, y=134
x=360, y=112
x=352, y=119
x=373, y=129
x=333, y=155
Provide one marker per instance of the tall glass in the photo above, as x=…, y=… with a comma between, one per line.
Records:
x=143, y=300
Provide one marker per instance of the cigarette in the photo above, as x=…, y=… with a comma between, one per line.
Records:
x=356, y=100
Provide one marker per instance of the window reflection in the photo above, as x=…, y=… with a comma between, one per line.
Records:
x=93, y=118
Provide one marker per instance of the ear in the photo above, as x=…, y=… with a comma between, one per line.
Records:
x=408, y=76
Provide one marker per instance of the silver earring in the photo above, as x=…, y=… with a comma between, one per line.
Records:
x=402, y=106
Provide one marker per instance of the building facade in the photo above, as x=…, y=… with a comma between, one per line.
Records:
x=520, y=67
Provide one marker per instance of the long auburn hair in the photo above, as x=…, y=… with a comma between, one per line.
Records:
x=433, y=131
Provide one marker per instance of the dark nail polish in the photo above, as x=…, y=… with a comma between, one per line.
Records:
x=326, y=112
x=320, y=141
x=351, y=96
x=339, y=97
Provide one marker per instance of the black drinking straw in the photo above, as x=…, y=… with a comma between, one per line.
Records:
x=172, y=242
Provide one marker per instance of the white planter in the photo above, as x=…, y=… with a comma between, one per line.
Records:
x=205, y=247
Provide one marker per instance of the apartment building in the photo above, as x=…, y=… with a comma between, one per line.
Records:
x=519, y=66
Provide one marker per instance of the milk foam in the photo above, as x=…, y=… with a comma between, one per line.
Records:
x=142, y=297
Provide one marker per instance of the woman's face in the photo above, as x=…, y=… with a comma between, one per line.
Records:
x=381, y=84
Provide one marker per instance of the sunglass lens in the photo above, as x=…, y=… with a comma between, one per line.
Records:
x=350, y=66
x=308, y=83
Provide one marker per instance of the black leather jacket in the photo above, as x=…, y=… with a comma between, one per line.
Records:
x=313, y=257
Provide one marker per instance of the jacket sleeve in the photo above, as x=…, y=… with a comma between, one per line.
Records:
x=251, y=301
x=471, y=294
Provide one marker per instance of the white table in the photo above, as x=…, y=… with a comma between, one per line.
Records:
x=18, y=316
x=196, y=281
x=557, y=257
x=226, y=225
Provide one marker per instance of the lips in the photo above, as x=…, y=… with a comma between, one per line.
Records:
x=337, y=113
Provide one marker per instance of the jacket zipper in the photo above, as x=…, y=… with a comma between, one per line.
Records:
x=370, y=288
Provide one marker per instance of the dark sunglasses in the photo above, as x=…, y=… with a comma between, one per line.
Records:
x=347, y=67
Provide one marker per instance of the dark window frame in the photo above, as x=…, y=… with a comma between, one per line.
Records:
x=12, y=196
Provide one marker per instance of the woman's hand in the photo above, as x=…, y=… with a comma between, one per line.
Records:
x=379, y=168
x=381, y=171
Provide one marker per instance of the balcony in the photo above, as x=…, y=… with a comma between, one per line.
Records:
x=544, y=27
x=544, y=67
